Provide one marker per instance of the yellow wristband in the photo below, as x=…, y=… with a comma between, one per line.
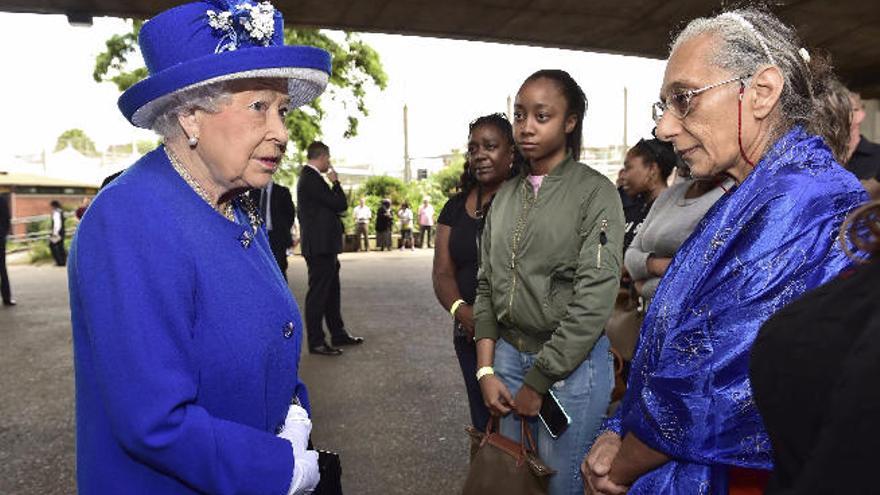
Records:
x=485, y=370
x=457, y=304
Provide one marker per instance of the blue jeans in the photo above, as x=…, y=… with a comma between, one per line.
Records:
x=584, y=395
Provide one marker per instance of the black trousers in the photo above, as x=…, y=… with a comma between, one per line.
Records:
x=4, y=277
x=58, y=252
x=323, y=299
x=466, y=351
x=279, y=251
x=425, y=230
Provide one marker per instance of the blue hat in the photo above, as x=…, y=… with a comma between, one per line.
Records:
x=219, y=40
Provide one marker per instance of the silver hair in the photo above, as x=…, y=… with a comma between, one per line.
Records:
x=834, y=105
x=750, y=39
x=209, y=98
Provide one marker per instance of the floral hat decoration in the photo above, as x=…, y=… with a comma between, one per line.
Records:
x=206, y=42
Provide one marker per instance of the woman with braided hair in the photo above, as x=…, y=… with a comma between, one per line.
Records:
x=549, y=273
x=738, y=99
x=492, y=159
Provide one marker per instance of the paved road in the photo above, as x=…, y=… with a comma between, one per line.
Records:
x=394, y=408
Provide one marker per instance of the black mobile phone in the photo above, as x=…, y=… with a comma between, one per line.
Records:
x=554, y=417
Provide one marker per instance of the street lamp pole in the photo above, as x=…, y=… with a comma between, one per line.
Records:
x=407, y=172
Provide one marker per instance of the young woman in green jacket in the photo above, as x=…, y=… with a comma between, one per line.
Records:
x=551, y=257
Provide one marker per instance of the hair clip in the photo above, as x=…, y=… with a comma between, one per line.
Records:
x=804, y=55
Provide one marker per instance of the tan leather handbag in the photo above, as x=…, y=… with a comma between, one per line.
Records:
x=622, y=330
x=501, y=466
x=626, y=320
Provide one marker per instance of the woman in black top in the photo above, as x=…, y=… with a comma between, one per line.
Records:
x=384, y=222
x=815, y=368
x=646, y=169
x=490, y=162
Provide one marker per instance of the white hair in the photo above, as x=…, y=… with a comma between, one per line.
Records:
x=751, y=39
x=209, y=98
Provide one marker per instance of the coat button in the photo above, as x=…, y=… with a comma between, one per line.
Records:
x=279, y=429
x=288, y=330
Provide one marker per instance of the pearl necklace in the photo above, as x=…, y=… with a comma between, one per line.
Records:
x=225, y=210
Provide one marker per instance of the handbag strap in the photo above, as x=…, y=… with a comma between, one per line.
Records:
x=634, y=297
x=526, y=439
x=491, y=422
x=618, y=360
x=488, y=430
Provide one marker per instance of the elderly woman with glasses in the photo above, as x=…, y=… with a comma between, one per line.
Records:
x=738, y=99
x=186, y=337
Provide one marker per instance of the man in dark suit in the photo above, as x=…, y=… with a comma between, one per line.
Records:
x=5, y=221
x=320, y=207
x=56, y=238
x=864, y=155
x=277, y=210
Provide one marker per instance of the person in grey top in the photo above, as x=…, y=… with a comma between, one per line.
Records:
x=672, y=218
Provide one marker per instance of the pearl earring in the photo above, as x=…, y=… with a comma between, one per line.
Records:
x=193, y=142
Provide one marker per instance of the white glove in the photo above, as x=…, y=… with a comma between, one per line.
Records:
x=297, y=428
x=305, y=473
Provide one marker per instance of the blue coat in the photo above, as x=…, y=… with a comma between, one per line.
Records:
x=760, y=247
x=186, y=344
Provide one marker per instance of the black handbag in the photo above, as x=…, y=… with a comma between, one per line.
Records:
x=330, y=470
x=331, y=474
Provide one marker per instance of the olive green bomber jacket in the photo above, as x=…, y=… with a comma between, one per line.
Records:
x=550, y=268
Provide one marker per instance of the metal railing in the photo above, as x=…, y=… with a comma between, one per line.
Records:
x=23, y=242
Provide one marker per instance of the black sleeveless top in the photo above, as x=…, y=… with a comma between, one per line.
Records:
x=462, y=244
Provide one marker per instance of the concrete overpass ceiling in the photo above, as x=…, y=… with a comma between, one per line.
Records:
x=848, y=29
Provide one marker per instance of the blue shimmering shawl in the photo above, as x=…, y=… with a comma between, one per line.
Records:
x=760, y=247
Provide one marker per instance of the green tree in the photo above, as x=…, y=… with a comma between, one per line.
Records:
x=356, y=68
x=143, y=146
x=448, y=178
x=78, y=140
x=111, y=64
x=382, y=186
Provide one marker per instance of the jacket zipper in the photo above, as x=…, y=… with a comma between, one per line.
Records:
x=529, y=200
x=603, y=239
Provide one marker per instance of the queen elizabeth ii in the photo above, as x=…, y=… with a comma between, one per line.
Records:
x=186, y=337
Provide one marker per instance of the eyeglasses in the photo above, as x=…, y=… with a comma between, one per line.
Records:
x=680, y=102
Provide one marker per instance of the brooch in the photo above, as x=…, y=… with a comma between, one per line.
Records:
x=250, y=208
x=245, y=239
x=243, y=22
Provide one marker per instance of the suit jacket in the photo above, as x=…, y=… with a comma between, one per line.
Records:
x=4, y=218
x=282, y=211
x=61, y=232
x=320, y=207
x=188, y=398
